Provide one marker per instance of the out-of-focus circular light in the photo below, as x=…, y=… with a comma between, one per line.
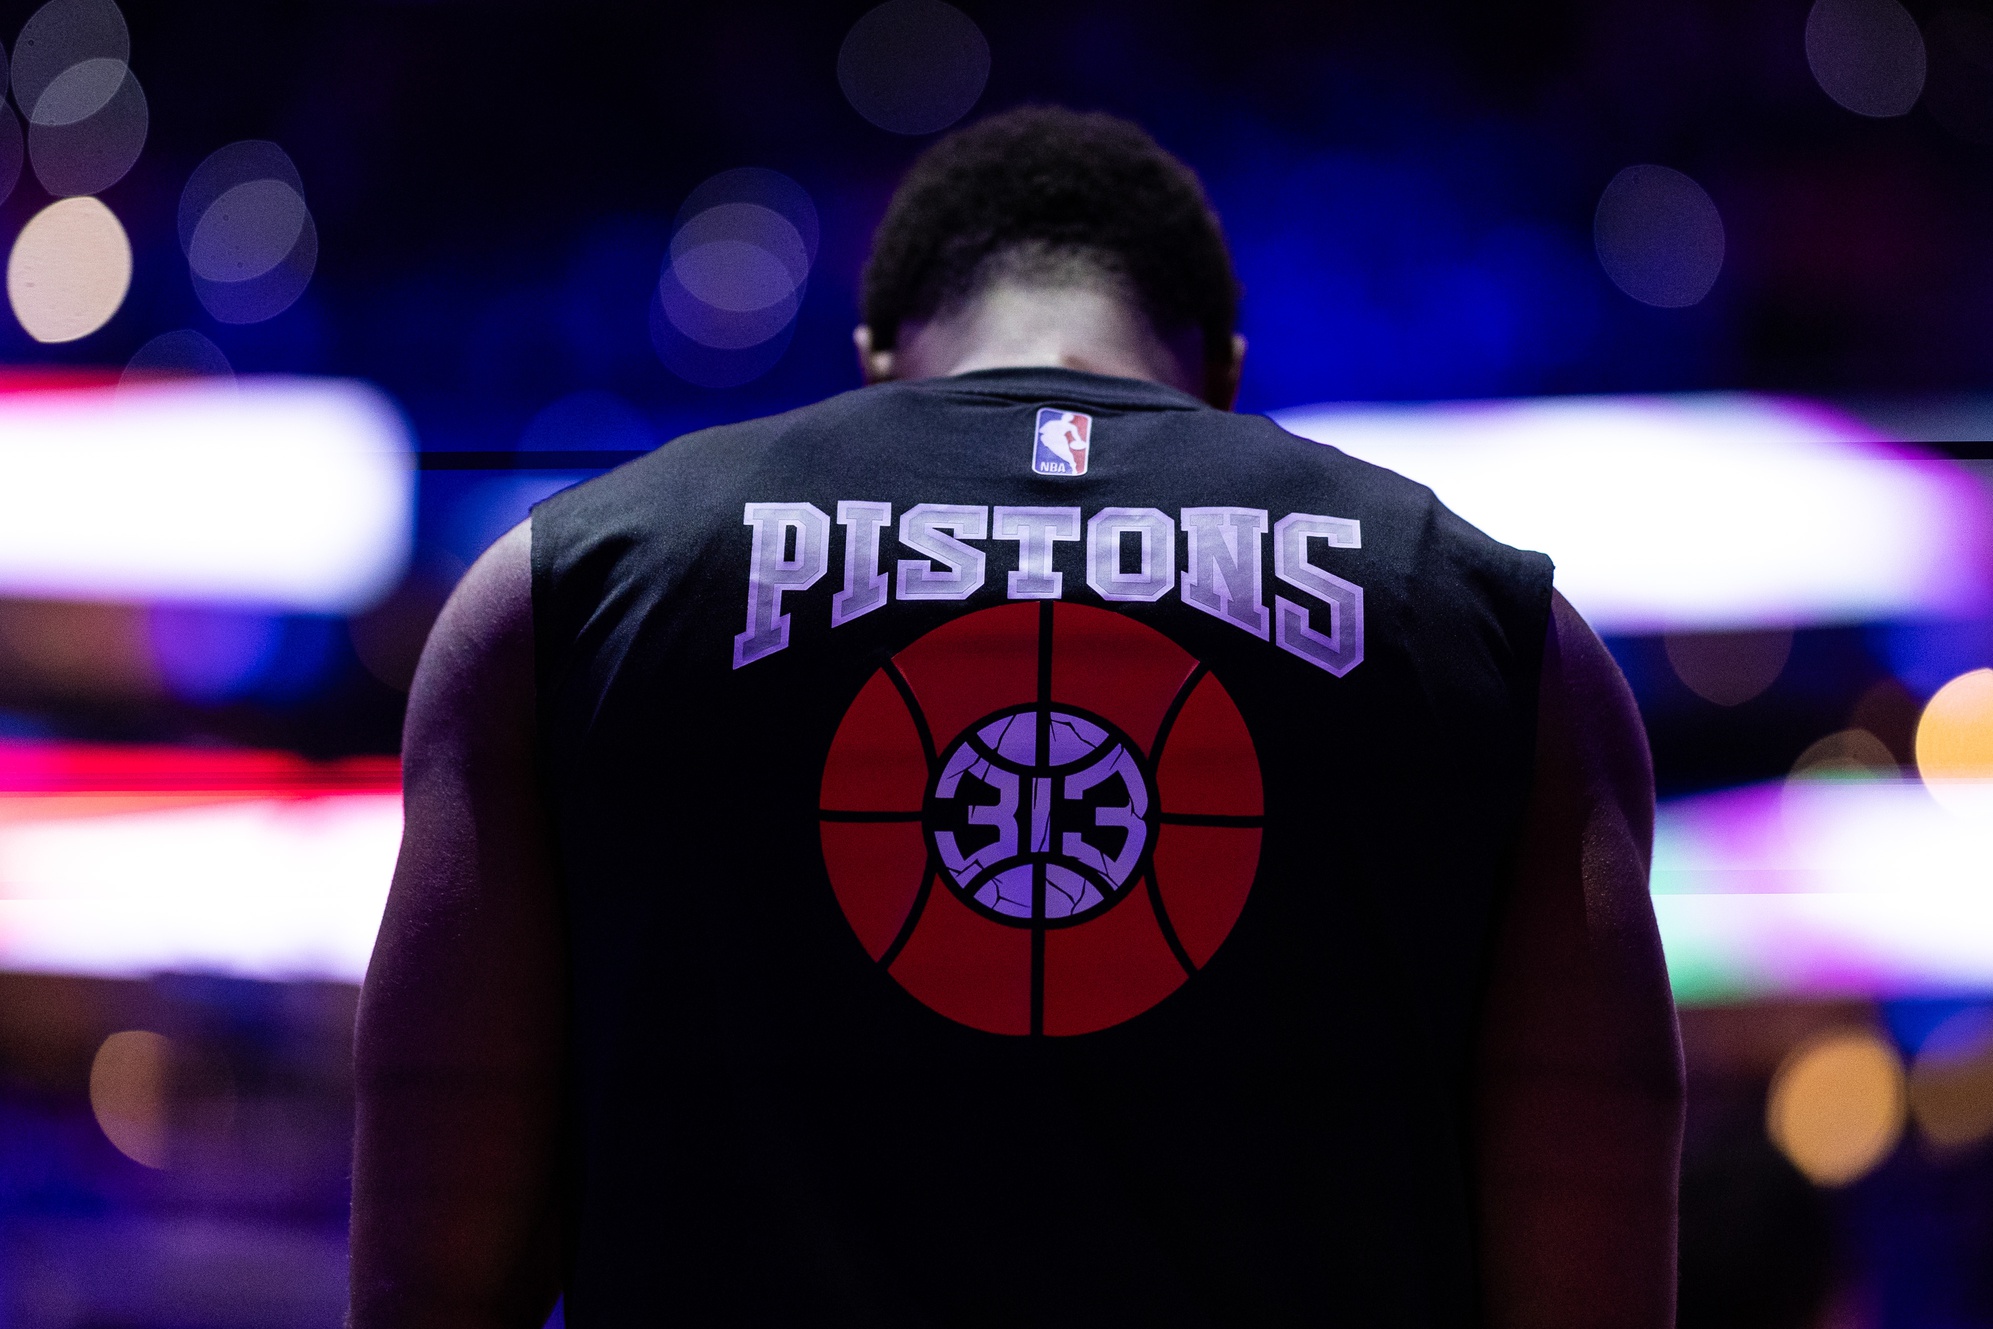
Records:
x=181, y=354
x=246, y=232
x=740, y=257
x=1955, y=744
x=1851, y=754
x=69, y=270
x=1837, y=1105
x=60, y=36
x=736, y=276
x=79, y=91
x=1866, y=54
x=91, y=152
x=706, y=365
x=739, y=265
x=1951, y=1081
x=733, y=275
x=913, y=66
x=130, y=1094
x=714, y=327
x=764, y=188
x=87, y=115
x=1659, y=236
x=248, y=235
x=1728, y=668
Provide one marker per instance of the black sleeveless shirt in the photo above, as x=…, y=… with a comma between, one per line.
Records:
x=1030, y=845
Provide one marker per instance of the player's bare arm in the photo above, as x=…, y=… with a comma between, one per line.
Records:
x=1581, y=1090
x=461, y=1019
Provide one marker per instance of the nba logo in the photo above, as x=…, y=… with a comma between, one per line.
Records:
x=1061, y=442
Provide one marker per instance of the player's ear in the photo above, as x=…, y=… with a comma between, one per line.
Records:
x=875, y=366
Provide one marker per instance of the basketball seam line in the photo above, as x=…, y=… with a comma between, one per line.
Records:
x=1176, y=706
x=1042, y=756
x=912, y=703
x=919, y=907
x=1163, y=921
x=926, y=736
x=1163, y=732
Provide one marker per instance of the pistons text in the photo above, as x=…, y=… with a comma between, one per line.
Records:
x=1130, y=554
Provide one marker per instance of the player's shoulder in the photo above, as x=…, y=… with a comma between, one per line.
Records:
x=1301, y=466
x=708, y=466
x=1418, y=541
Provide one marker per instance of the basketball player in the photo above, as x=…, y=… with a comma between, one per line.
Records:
x=872, y=867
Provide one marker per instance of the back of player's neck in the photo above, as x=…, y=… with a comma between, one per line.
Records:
x=1012, y=326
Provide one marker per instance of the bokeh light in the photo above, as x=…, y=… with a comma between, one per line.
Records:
x=1729, y=668
x=1849, y=754
x=90, y=154
x=184, y=353
x=59, y=36
x=249, y=238
x=735, y=277
x=1955, y=744
x=1837, y=1105
x=1866, y=54
x=69, y=270
x=1951, y=1080
x=130, y=1091
x=87, y=114
x=1659, y=236
x=913, y=66
x=1889, y=710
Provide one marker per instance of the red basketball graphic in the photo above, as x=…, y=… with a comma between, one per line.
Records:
x=1042, y=818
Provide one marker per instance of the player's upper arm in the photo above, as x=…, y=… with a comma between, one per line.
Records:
x=460, y=1038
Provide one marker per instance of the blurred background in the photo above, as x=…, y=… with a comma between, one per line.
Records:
x=308, y=303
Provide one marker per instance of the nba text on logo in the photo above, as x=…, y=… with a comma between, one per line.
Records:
x=1213, y=557
x=1060, y=445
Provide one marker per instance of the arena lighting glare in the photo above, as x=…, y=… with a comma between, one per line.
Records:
x=1694, y=512
x=1823, y=887
x=280, y=493
x=123, y=862
x=120, y=863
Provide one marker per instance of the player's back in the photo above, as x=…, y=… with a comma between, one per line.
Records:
x=1029, y=843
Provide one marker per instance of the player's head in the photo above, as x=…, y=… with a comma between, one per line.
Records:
x=1046, y=198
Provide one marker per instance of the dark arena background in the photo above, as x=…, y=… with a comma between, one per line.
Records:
x=309, y=302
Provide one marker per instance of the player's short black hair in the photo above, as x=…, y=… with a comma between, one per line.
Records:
x=1053, y=194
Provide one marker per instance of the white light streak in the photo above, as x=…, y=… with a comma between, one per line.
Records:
x=1697, y=512
x=1821, y=887
x=287, y=494
x=260, y=888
